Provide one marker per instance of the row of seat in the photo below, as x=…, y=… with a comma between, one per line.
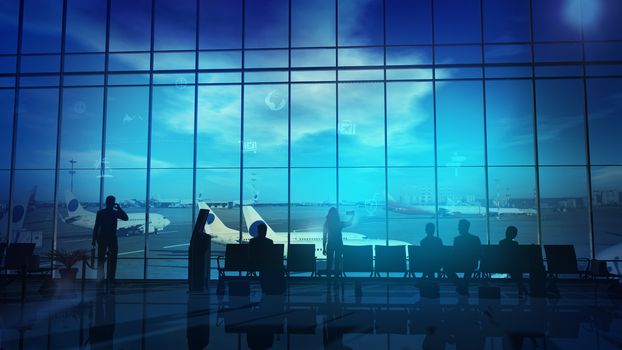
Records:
x=561, y=259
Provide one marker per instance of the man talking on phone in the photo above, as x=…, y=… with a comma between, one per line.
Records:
x=105, y=235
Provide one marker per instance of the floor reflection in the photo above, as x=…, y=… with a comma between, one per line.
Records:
x=311, y=316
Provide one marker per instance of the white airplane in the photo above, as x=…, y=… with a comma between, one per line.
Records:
x=77, y=215
x=20, y=209
x=224, y=235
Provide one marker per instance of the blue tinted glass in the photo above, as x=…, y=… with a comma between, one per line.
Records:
x=36, y=129
x=81, y=127
x=605, y=124
x=509, y=121
x=557, y=20
x=220, y=24
x=9, y=11
x=561, y=139
x=86, y=26
x=450, y=15
x=266, y=23
x=601, y=19
x=313, y=23
x=606, y=210
x=175, y=23
x=6, y=127
x=408, y=22
x=130, y=25
x=360, y=23
x=42, y=26
x=506, y=21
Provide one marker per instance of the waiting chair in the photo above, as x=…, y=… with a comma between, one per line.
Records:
x=237, y=259
x=301, y=258
x=358, y=259
x=425, y=260
x=390, y=259
x=561, y=259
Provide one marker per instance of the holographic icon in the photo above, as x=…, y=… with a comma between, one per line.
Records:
x=347, y=127
x=181, y=83
x=79, y=107
x=249, y=146
x=131, y=117
x=102, y=166
x=371, y=204
x=275, y=100
x=456, y=162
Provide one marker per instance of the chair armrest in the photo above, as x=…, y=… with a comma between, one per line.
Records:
x=218, y=261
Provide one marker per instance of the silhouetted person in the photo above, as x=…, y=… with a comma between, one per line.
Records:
x=105, y=235
x=510, y=247
x=430, y=243
x=260, y=248
x=332, y=240
x=467, y=247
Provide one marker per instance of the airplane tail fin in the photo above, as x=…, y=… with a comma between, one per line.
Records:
x=214, y=225
x=253, y=219
x=74, y=208
x=20, y=209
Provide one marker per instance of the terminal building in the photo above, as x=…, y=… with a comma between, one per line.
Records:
x=397, y=113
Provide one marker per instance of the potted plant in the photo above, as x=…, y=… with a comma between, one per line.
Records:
x=68, y=259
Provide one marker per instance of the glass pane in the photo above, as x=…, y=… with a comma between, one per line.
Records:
x=459, y=123
x=506, y=21
x=360, y=23
x=42, y=26
x=313, y=23
x=218, y=128
x=267, y=23
x=175, y=23
x=410, y=124
x=363, y=191
x=172, y=133
x=313, y=129
x=449, y=15
x=461, y=195
x=126, y=127
x=265, y=125
x=361, y=124
x=33, y=191
x=607, y=211
x=555, y=20
x=605, y=124
x=81, y=133
x=219, y=189
x=563, y=205
x=4, y=204
x=512, y=201
x=134, y=35
x=509, y=118
x=86, y=26
x=129, y=186
x=408, y=22
x=412, y=203
x=8, y=25
x=36, y=129
x=170, y=220
x=220, y=24
x=313, y=191
x=560, y=112
x=601, y=19
x=7, y=100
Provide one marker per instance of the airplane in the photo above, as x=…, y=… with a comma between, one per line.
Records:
x=77, y=215
x=455, y=209
x=20, y=209
x=224, y=235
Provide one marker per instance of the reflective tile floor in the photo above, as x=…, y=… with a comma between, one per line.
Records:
x=312, y=315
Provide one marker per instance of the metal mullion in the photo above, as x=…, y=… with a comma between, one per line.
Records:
x=289, y=124
x=486, y=180
x=196, y=112
x=386, y=170
x=586, y=131
x=105, y=103
x=535, y=130
x=149, y=131
x=434, y=112
x=59, y=124
x=20, y=27
x=242, y=88
x=337, y=104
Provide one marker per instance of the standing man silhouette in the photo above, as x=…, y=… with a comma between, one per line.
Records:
x=105, y=235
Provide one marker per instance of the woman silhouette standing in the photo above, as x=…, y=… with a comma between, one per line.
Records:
x=332, y=241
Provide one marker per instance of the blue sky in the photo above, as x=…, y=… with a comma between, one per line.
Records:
x=315, y=135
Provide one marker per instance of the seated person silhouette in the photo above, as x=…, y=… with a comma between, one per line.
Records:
x=432, y=245
x=264, y=257
x=466, y=255
x=510, y=247
x=260, y=248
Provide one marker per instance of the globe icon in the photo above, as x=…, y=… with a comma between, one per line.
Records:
x=275, y=100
